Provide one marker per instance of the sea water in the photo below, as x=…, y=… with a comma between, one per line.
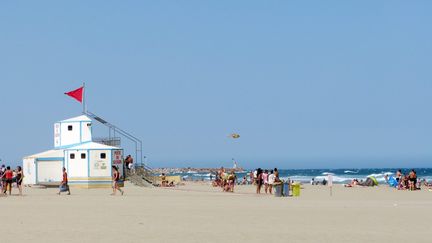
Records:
x=306, y=175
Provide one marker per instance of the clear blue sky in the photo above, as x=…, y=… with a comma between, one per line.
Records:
x=307, y=84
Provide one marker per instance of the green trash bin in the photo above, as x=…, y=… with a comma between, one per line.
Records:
x=296, y=189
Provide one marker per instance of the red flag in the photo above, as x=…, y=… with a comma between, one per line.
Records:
x=76, y=94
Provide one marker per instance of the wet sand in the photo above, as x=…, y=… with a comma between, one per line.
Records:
x=199, y=213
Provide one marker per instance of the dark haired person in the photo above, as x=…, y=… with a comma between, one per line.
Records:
x=116, y=179
x=398, y=175
x=19, y=178
x=64, y=187
x=271, y=181
x=8, y=176
x=412, y=180
x=259, y=180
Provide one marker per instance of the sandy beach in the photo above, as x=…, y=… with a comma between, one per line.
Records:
x=199, y=213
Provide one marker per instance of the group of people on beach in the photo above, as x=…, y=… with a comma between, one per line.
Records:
x=9, y=178
x=225, y=180
x=165, y=182
x=407, y=181
x=259, y=177
x=401, y=181
x=266, y=178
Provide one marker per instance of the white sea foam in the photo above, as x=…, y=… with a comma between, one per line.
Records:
x=350, y=171
x=327, y=173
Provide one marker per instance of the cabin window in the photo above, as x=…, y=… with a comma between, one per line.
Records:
x=70, y=128
x=72, y=156
x=83, y=155
x=103, y=155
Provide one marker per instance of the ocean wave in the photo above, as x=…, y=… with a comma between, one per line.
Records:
x=327, y=173
x=350, y=172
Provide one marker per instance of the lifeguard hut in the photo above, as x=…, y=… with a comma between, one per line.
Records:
x=88, y=164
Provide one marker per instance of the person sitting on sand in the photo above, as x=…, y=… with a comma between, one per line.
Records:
x=412, y=176
x=244, y=181
x=164, y=181
x=403, y=183
x=324, y=182
x=370, y=181
x=353, y=183
x=251, y=177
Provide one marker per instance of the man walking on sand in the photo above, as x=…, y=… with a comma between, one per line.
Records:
x=64, y=187
x=116, y=179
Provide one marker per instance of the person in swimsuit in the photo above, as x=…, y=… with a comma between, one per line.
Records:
x=398, y=175
x=164, y=181
x=2, y=179
x=231, y=182
x=19, y=178
x=64, y=187
x=8, y=176
x=116, y=179
x=265, y=180
x=412, y=180
x=271, y=180
x=258, y=180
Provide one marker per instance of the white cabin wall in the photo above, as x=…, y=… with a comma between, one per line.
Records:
x=29, y=171
x=86, y=132
x=49, y=171
x=70, y=137
x=100, y=167
x=77, y=167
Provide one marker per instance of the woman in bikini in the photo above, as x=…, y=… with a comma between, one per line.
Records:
x=116, y=179
x=259, y=181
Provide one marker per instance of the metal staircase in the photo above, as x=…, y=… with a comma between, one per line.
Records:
x=143, y=175
x=114, y=130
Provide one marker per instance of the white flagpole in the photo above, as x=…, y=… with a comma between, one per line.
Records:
x=84, y=98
